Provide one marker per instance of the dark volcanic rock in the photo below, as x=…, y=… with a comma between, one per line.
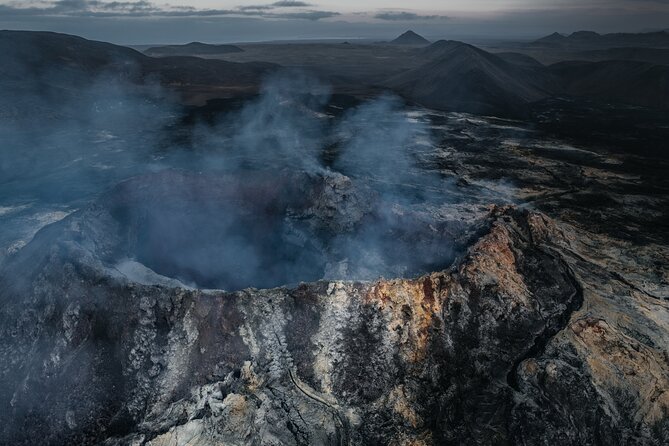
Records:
x=628, y=82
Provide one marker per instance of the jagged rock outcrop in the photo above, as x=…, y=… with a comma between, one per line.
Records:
x=605, y=378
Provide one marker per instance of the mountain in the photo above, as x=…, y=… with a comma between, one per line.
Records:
x=410, y=38
x=553, y=38
x=591, y=39
x=462, y=77
x=192, y=49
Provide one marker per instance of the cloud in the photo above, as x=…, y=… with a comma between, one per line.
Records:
x=145, y=8
x=275, y=5
x=403, y=16
x=290, y=4
x=78, y=8
x=255, y=8
x=258, y=9
x=305, y=15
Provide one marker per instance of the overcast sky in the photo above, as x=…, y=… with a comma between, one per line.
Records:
x=176, y=21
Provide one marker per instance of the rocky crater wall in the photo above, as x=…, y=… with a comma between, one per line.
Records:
x=503, y=347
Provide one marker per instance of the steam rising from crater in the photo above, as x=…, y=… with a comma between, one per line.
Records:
x=272, y=209
x=286, y=189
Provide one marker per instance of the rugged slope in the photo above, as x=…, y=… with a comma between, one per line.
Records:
x=526, y=339
x=628, y=82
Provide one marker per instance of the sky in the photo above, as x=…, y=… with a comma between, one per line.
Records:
x=220, y=21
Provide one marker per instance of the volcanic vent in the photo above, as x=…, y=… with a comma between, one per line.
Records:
x=266, y=229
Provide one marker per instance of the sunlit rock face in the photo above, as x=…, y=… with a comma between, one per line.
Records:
x=500, y=347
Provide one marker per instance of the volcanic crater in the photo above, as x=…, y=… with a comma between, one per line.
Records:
x=267, y=229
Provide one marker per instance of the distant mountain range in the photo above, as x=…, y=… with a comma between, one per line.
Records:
x=458, y=76
x=445, y=75
x=193, y=48
x=591, y=39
